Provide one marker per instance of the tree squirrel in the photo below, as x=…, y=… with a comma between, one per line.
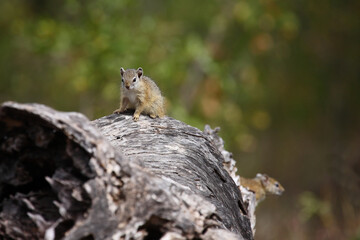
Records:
x=261, y=185
x=141, y=94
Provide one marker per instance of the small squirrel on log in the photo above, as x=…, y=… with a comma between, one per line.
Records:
x=140, y=93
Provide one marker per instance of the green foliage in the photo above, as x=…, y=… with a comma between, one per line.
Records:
x=312, y=206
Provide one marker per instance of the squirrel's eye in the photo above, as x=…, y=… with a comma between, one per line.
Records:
x=134, y=80
x=122, y=80
x=276, y=185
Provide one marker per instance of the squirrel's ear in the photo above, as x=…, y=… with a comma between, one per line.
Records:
x=122, y=71
x=139, y=72
x=265, y=177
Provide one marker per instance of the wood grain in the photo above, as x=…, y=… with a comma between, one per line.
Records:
x=64, y=177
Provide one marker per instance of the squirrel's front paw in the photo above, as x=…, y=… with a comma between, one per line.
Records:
x=136, y=117
x=119, y=110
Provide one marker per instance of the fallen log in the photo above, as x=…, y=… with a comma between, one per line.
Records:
x=64, y=177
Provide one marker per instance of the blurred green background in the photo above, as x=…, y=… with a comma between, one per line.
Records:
x=281, y=79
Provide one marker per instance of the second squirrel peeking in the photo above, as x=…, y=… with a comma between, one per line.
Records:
x=140, y=93
x=261, y=185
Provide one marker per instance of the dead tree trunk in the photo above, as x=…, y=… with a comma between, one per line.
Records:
x=60, y=178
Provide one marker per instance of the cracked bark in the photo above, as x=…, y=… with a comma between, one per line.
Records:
x=64, y=177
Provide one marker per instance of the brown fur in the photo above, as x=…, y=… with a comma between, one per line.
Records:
x=261, y=185
x=143, y=95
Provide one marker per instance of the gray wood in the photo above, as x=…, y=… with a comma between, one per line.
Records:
x=151, y=179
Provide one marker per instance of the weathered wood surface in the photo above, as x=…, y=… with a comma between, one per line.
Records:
x=61, y=179
x=230, y=166
x=182, y=154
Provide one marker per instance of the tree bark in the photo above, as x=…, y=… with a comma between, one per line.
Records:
x=64, y=177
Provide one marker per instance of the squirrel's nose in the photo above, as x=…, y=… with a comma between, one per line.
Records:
x=127, y=87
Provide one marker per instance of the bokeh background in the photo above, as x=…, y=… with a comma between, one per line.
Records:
x=281, y=79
